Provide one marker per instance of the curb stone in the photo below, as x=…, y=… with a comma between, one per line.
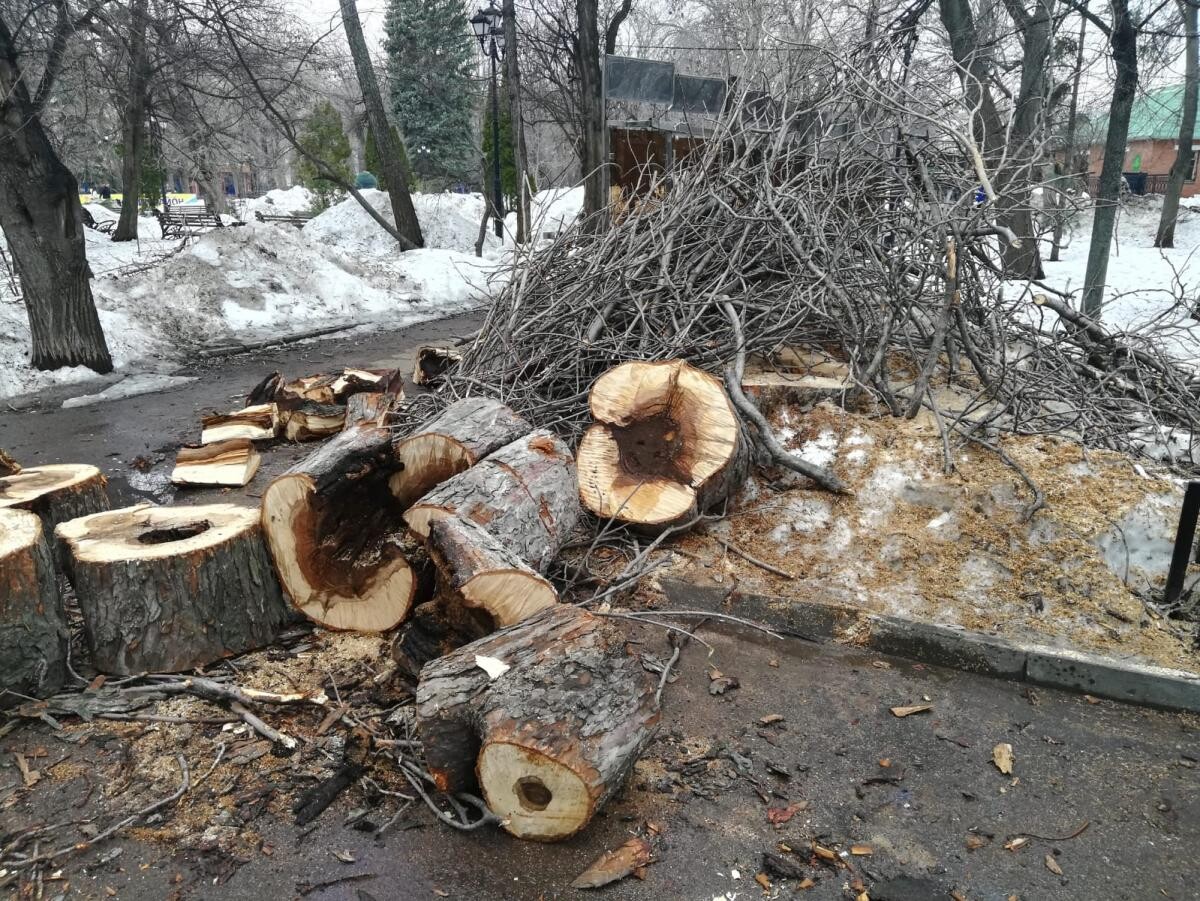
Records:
x=955, y=648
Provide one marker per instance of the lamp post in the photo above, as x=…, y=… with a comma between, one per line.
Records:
x=487, y=28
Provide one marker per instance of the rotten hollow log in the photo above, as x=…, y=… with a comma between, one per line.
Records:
x=551, y=739
x=337, y=536
x=56, y=493
x=667, y=445
x=311, y=421
x=459, y=437
x=523, y=494
x=433, y=363
x=164, y=589
x=259, y=422
x=33, y=623
x=231, y=463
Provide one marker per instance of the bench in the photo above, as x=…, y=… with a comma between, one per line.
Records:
x=104, y=226
x=181, y=222
x=297, y=219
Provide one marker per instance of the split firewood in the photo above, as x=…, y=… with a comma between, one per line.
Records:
x=259, y=422
x=231, y=462
x=523, y=494
x=666, y=445
x=8, y=466
x=459, y=437
x=336, y=534
x=546, y=747
x=33, y=624
x=336, y=387
x=56, y=493
x=433, y=363
x=372, y=407
x=265, y=391
x=308, y=420
x=164, y=589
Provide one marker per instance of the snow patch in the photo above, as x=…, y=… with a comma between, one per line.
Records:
x=130, y=386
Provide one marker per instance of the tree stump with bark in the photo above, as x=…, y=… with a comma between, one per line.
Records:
x=550, y=739
x=33, y=624
x=667, y=445
x=56, y=493
x=337, y=534
x=459, y=437
x=164, y=589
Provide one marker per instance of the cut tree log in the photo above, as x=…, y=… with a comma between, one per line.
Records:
x=666, y=445
x=310, y=421
x=551, y=738
x=224, y=463
x=33, y=624
x=336, y=387
x=372, y=407
x=164, y=589
x=433, y=363
x=523, y=494
x=8, y=466
x=459, y=437
x=259, y=422
x=56, y=493
x=336, y=534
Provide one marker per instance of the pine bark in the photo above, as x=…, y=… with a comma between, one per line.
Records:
x=133, y=126
x=550, y=740
x=1182, y=167
x=57, y=493
x=33, y=625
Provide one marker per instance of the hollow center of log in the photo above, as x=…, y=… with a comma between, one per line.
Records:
x=181, y=532
x=532, y=793
x=650, y=448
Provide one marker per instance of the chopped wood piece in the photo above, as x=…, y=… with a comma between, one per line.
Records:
x=56, y=493
x=336, y=387
x=666, y=445
x=231, y=462
x=33, y=623
x=8, y=466
x=164, y=589
x=523, y=494
x=258, y=423
x=311, y=421
x=372, y=407
x=337, y=534
x=459, y=437
x=265, y=391
x=553, y=737
x=433, y=363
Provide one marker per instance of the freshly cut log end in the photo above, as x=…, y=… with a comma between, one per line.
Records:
x=524, y=494
x=666, y=445
x=433, y=363
x=33, y=624
x=551, y=739
x=336, y=535
x=164, y=589
x=259, y=422
x=56, y=493
x=458, y=438
x=310, y=421
x=224, y=463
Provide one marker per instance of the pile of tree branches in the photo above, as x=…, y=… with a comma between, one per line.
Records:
x=853, y=211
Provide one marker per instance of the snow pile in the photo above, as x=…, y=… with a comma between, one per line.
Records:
x=280, y=202
x=555, y=209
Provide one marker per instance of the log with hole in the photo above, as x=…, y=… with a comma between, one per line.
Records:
x=553, y=736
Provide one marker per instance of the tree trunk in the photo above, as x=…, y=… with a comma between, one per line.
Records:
x=164, y=589
x=554, y=736
x=524, y=494
x=512, y=83
x=133, y=126
x=42, y=221
x=34, y=638
x=395, y=169
x=462, y=435
x=1123, y=41
x=56, y=493
x=1182, y=167
x=232, y=463
x=667, y=445
x=258, y=423
x=336, y=534
x=592, y=113
x=1069, y=155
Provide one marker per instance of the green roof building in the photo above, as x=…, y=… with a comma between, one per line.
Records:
x=1153, y=139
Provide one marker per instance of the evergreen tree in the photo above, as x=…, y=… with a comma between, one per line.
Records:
x=508, y=156
x=372, y=162
x=323, y=137
x=429, y=49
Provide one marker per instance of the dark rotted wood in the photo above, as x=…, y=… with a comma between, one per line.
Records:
x=164, y=589
x=33, y=624
x=433, y=363
x=355, y=754
x=264, y=392
x=56, y=493
x=551, y=739
x=8, y=466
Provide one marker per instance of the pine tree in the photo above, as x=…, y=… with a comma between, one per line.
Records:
x=508, y=164
x=323, y=137
x=429, y=66
x=371, y=160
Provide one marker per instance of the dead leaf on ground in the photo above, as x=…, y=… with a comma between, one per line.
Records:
x=782, y=867
x=777, y=816
x=762, y=880
x=910, y=710
x=958, y=896
x=613, y=865
x=722, y=685
x=771, y=718
x=1002, y=756
x=807, y=882
x=881, y=664
x=1052, y=865
x=1016, y=844
x=975, y=842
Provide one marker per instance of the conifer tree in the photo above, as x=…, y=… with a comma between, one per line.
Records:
x=324, y=137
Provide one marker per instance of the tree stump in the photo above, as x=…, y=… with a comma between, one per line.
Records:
x=551, y=739
x=258, y=422
x=231, y=462
x=523, y=494
x=336, y=534
x=33, y=623
x=56, y=493
x=459, y=437
x=164, y=589
x=666, y=446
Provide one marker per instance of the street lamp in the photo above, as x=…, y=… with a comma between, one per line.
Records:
x=487, y=27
